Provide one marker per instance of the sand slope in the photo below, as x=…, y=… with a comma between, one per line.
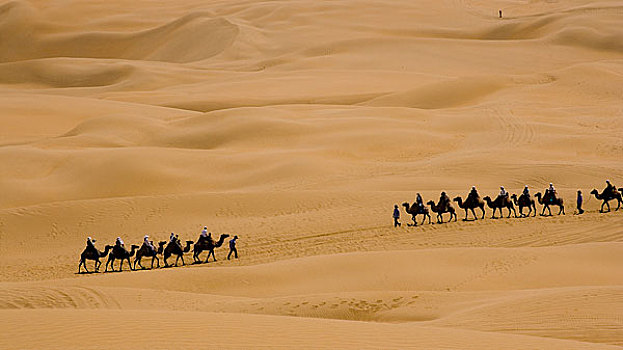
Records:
x=297, y=125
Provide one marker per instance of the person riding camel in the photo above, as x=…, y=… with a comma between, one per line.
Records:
x=119, y=242
x=203, y=236
x=419, y=201
x=526, y=192
x=610, y=188
x=444, y=200
x=91, y=244
x=552, y=193
x=149, y=244
x=473, y=193
x=172, y=237
x=503, y=193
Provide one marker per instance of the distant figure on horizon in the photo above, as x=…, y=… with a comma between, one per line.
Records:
x=396, y=216
x=579, y=202
x=500, y=12
x=232, y=248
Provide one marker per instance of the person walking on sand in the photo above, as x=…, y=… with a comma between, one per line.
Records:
x=396, y=216
x=232, y=248
x=579, y=203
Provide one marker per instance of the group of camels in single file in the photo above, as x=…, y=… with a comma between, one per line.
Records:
x=471, y=203
x=166, y=249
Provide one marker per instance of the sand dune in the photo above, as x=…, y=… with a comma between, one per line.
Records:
x=297, y=125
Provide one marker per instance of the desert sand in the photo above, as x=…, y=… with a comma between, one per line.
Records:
x=297, y=125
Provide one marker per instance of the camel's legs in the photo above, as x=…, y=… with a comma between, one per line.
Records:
x=120, y=265
x=85, y=266
x=483, y=212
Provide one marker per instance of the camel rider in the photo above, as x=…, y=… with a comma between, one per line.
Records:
x=172, y=237
x=526, y=191
x=91, y=244
x=503, y=192
x=418, y=201
x=119, y=242
x=148, y=243
x=204, y=235
x=443, y=200
x=473, y=193
x=552, y=192
x=551, y=189
x=610, y=188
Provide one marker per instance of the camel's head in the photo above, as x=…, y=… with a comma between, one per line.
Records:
x=594, y=191
x=538, y=194
x=134, y=246
x=621, y=189
x=487, y=198
x=108, y=246
x=162, y=243
x=430, y=203
x=189, y=242
x=405, y=204
x=224, y=235
x=457, y=198
x=514, y=196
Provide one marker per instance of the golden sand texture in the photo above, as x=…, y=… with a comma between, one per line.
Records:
x=297, y=125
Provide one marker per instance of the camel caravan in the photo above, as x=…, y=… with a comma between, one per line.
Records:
x=476, y=205
x=166, y=249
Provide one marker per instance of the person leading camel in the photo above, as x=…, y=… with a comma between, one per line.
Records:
x=396, y=216
x=232, y=248
x=579, y=201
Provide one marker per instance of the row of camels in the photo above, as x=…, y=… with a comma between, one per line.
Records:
x=165, y=249
x=508, y=202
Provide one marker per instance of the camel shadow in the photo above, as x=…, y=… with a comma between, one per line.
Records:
x=86, y=272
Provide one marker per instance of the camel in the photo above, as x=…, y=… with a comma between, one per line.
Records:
x=414, y=210
x=606, y=198
x=92, y=254
x=522, y=202
x=120, y=253
x=499, y=203
x=448, y=208
x=147, y=251
x=548, y=200
x=175, y=248
x=208, y=245
x=471, y=203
